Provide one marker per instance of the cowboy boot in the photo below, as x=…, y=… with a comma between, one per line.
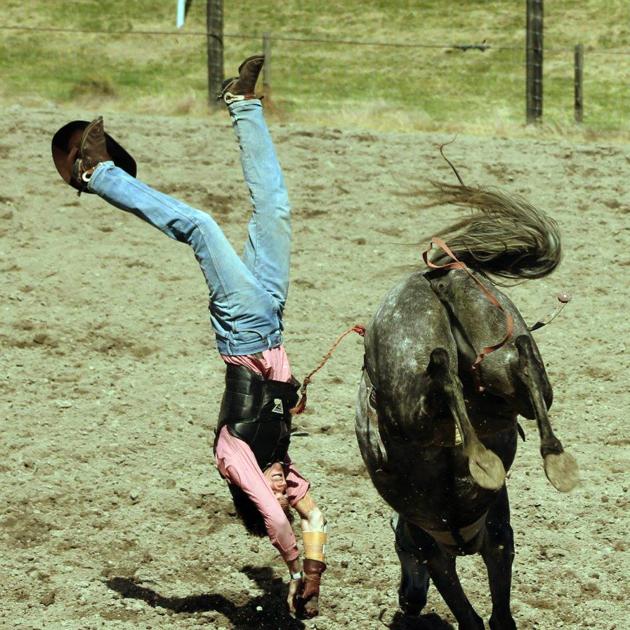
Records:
x=242, y=87
x=91, y=151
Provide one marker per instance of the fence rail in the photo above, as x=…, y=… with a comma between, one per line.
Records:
x=570, y=77
x=306, y=40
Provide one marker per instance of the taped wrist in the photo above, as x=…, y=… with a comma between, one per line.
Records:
x=315, y=545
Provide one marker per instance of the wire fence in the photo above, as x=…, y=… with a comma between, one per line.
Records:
x=462, y=80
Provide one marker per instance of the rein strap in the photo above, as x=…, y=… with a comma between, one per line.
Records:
x=301, y=405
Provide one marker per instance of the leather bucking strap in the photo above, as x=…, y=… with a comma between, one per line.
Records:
x=459, y=536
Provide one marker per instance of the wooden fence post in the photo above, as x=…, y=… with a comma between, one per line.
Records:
x=214, y=34
x=267, y=66
x=578, y=89
x=534, y=61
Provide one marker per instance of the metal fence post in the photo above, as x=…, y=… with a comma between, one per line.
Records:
x=578, y=87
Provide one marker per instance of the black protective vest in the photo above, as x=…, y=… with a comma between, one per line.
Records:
x=257, y=411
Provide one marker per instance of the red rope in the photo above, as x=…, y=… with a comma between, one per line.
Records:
x=301, y=405
x=458, y=264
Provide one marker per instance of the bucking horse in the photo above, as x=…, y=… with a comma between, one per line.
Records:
x=449, y=366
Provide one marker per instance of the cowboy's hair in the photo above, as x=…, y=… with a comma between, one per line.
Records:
x=249, y=514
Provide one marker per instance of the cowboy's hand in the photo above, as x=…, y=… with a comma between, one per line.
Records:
x=308, y=599
x=295, y=586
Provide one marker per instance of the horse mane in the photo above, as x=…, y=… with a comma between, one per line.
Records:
x=505, y=236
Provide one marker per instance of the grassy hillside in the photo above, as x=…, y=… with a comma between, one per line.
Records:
x=417, y=81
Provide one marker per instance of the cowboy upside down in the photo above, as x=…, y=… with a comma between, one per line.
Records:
x=247, y=300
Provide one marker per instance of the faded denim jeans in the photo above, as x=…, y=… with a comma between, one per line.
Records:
x=248, y=293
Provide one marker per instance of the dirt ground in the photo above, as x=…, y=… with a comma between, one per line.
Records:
x=113, y=515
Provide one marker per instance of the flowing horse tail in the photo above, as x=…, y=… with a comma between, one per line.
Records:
x=506, y=236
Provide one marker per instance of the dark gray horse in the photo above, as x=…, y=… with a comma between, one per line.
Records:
x=439, y=399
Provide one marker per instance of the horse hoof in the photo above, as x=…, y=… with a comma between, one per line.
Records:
x=562, y=471
x=486, y=468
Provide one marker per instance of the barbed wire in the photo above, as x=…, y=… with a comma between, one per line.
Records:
x=310, y=40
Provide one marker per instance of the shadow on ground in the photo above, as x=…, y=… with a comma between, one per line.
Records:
x=423, y=622
x=273, y=613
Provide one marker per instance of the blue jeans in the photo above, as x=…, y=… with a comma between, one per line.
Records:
x=248, y=293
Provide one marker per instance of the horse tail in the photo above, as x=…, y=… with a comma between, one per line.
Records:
x=506, y=236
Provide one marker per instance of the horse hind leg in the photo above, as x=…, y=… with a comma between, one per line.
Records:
x=560, y=467
x=414, y=574
x=485, y=466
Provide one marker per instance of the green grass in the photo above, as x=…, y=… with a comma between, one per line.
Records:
x=375, y=86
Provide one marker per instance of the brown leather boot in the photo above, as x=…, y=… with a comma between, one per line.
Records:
x=242, y=87
x=308, y=600
x=92, y=150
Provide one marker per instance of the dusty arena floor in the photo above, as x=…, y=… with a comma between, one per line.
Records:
x=113, y=515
